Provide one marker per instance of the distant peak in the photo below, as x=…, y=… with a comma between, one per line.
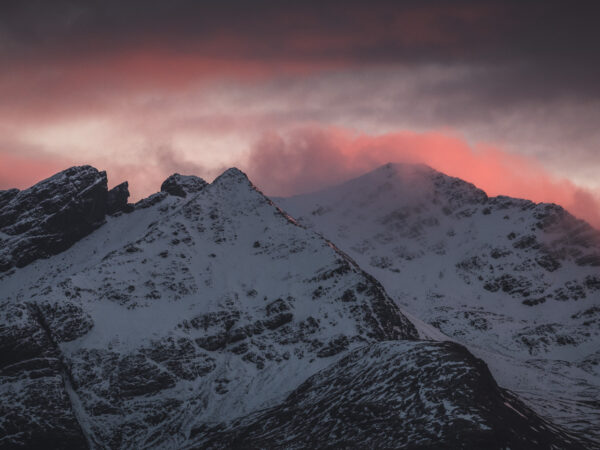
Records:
x=84, y=168
x=404, y=171
x=181, y=185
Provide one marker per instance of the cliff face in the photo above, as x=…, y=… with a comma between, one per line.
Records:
x=49, y=217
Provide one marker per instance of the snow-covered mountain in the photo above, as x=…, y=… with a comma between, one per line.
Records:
x=517, y=282
x=204, y=316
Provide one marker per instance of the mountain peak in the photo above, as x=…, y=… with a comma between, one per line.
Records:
x=401, y=185
x=76, y=175
x=214, y=322
x=181, y=185
x=407, y=171
x=232, y=175
x=234, y=180
x=507, y=276
x=62, y=209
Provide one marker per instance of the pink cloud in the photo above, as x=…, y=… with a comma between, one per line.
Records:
x=145, y=177
x=24, y=171
x=311, y=158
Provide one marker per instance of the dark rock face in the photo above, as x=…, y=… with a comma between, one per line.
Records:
x=181, y=185
x=417, y=395
x=66, y=319
x=50, y=216
x=151, y=200
x=116, y=200
x=6, y=196
x=35, y=409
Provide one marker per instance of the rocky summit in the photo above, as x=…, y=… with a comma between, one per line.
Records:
x=54, y=214
x=204, y=316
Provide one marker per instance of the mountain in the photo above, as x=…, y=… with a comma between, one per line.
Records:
x=517, y=282
x=204, y=316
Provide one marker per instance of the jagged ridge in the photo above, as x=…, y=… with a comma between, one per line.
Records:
x=49, y=217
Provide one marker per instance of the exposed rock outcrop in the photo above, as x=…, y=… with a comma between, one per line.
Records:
x=182, y=185
x=36, y=409
x=50, y=216
x=116, y=201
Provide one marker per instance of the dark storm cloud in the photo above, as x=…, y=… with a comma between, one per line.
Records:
x=535, y=48
x=116, y=83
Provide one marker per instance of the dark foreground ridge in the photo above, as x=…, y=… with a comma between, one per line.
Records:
x=413, y=395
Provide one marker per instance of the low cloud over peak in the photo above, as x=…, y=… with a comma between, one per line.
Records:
x=148, y=88
x=308, y=159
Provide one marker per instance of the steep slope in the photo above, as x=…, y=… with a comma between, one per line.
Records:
x=517, y=282
x=36, y=410
x=187, y=311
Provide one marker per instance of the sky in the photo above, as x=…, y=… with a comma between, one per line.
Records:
x=302, y=95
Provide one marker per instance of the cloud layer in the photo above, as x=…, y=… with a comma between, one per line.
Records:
x=312, y=158
x=144, y=89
